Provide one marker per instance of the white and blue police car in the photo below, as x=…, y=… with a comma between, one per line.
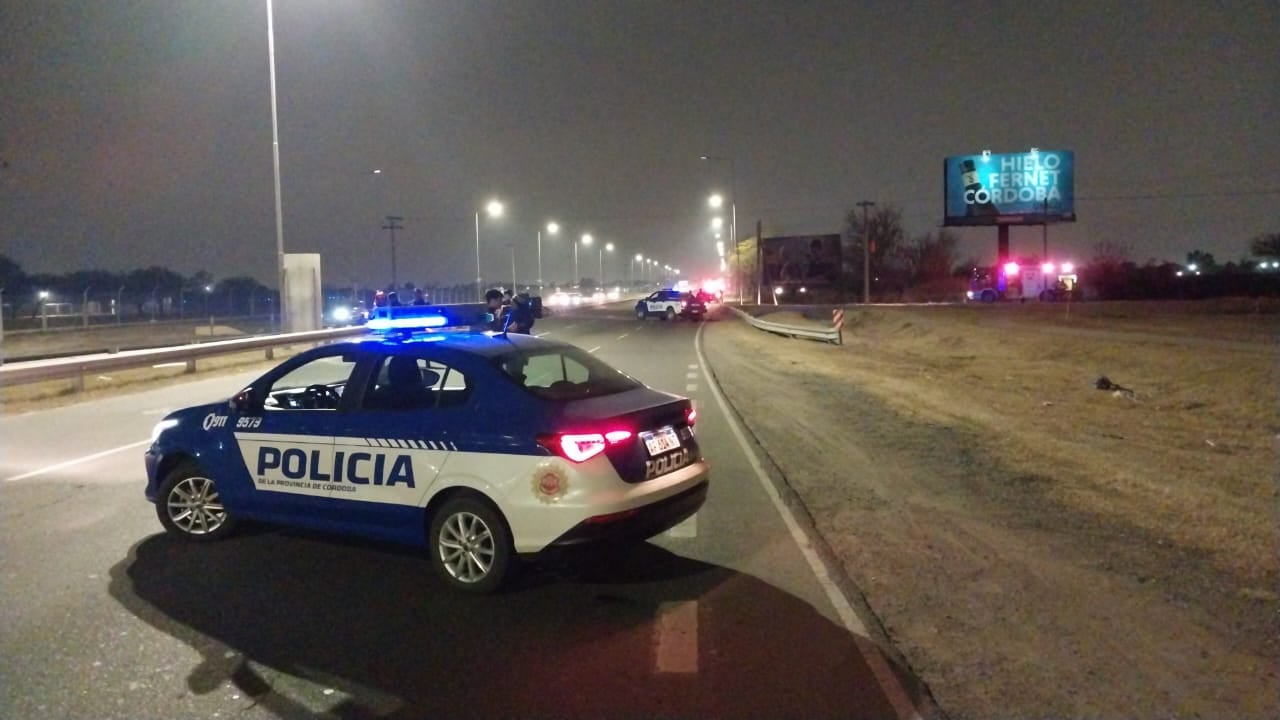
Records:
x=481, y=447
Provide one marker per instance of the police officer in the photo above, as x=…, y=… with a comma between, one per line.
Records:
x=493, y=302
x=419, y=298
x=521, y=310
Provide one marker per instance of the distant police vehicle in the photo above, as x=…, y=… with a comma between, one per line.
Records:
x=479, y=446
x=669, y=305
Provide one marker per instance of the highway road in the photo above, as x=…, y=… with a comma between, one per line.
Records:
x=731, y=614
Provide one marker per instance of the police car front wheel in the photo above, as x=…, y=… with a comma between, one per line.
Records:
x=471, y=547
x=190, y=507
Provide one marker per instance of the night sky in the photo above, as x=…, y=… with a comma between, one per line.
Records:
x=139, y=133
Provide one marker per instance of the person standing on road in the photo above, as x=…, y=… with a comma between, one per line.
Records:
x=493, y=303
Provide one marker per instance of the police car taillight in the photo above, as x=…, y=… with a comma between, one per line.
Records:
x=581, y=447
x=691, y=416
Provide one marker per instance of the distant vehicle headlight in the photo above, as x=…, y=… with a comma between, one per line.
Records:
x=342, y=314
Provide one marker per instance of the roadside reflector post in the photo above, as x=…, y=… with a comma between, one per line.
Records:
x=191, y=366
x=77, y=382
x=837, y=320
x=271, y=353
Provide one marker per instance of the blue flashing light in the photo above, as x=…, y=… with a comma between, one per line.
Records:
x=407, y=323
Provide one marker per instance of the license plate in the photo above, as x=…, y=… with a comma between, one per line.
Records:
x=661, y=441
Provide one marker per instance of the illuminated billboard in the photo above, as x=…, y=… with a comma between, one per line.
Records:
x=1009, y=188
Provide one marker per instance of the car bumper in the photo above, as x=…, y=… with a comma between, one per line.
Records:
x=152, y=461
x=636, y=524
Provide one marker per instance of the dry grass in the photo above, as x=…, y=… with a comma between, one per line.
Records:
x=1034, y=546
x=1189, y=457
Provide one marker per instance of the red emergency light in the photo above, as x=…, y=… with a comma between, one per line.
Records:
x=1011, y=268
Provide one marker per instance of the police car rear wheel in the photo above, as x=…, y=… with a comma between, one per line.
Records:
x=190, y=507
x=671, y=314
x=471, y=547
x=641, y=314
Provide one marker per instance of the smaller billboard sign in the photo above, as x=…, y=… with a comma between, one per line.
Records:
x=810, y=260
x=1009, y=188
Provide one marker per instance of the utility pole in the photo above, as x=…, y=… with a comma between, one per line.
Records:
x=866, y=252
x=392, y=226
x=759, y=259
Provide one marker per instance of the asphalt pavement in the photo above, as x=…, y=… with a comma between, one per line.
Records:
x=731, y=614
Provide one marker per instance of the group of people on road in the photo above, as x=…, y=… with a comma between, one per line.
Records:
x=392, y=299
x=511, y=313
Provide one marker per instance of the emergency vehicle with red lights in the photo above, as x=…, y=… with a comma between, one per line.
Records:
x=1047, y=282
x=478, y=446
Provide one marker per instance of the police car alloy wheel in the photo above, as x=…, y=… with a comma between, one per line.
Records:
x=671, y=313
x=640, y=313
x=189, y=505
x=471, y=547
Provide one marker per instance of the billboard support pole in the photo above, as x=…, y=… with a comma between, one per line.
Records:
x=866, y=253
x=1044, y=233
x=1002, y=244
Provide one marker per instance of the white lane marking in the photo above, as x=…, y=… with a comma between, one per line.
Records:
x=542, y=334
x=570, y=327
x=893, y=689
x=691, y=376
x=594, y=349
x=676, y=648
x=686, y=529
x=693, y=366
x=156, y=411
x=170, y=364
x=691, y=387
x=623, y=336
x=77, y=461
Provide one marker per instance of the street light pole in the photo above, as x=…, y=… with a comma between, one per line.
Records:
x=275, y=161
x=866, y=252
x=553, y=228
x=733, y=217
x=513, y=268
x=479, y=281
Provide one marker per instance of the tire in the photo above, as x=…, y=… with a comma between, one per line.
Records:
x=988, y=296
x=671, y=314
x=466, y=531
x=189, y=506
x=641, y=314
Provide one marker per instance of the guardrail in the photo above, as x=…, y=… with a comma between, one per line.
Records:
x=75, y=368
x=834, y=334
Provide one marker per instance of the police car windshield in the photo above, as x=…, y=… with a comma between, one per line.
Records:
x=563, y=374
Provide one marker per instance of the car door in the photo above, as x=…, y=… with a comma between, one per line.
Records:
x=285, y=433
x=653, y=303
x=399, y=433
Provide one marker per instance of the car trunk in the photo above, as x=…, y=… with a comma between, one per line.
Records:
x=647, y=414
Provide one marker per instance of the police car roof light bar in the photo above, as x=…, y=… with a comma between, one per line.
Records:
x=417, y=318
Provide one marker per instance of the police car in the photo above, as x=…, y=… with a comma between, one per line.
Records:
x=666, y=304
x=481, y=447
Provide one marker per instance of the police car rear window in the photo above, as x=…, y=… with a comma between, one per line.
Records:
x=563, y=374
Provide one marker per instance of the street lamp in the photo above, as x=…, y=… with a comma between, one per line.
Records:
x=631, y=269
x=717, y=223
x=609, y=247
x=586, y=240
x=275, y=163
x=494, y=210
x=716, y=201
x=553, y=228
